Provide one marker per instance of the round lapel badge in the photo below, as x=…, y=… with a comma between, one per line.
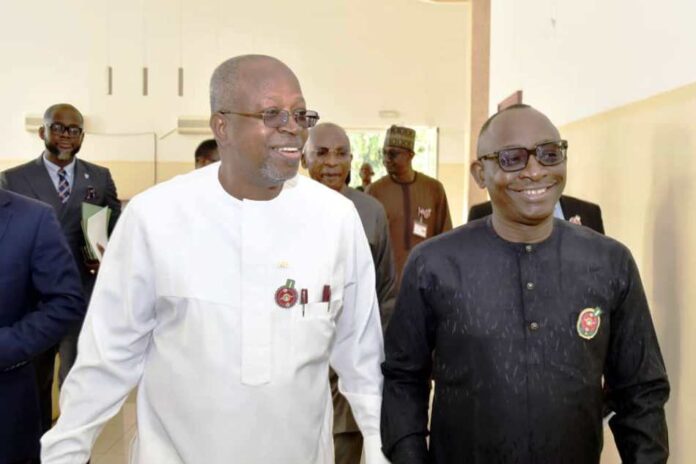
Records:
x=286, y=296
x=589, y=321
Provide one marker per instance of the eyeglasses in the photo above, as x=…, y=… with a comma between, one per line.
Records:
x=516, y=158
x=392, y=153
x=275, y=118
x=59, y=129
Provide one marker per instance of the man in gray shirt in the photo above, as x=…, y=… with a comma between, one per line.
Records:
x=327, y=156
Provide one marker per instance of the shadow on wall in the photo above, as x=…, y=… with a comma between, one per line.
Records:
x=672, y=167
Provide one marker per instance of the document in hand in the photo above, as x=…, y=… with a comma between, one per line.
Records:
x=95, y=226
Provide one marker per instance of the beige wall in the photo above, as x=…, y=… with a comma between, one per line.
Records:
x=574, y=59
x=639, y=163
x=454, y=177
x=352, y=59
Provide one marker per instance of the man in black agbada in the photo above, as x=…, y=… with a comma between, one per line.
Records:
x=516, y=317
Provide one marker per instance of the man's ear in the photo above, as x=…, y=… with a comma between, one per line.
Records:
x=218, y=124
x=42, y=133
x=477, y=173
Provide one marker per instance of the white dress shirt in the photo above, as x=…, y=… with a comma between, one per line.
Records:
x=184, y=307
x=53, y=169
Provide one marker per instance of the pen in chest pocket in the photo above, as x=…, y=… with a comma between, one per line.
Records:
x=303, y=299
x=326, y=297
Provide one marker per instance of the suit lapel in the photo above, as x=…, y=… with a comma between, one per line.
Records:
x=5, y=212
x=567, y=208
x=42, y=185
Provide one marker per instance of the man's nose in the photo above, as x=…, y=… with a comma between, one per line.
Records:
x=534, y=169
x=333, y=159
x=291, y=126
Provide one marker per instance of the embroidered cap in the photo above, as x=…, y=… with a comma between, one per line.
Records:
x=400, y=137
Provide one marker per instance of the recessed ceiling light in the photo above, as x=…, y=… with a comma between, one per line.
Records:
x=389, y=114
x=444, y=2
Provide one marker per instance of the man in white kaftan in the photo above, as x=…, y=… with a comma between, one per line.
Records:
x=226, y=304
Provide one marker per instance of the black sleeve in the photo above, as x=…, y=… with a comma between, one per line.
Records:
x=407, y=369
x=600, y=222
x=636, y=378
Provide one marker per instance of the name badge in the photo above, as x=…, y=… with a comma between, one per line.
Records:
x=420, y=229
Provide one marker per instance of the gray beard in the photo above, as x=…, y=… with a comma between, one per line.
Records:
x=277, y=176
x=64, y=155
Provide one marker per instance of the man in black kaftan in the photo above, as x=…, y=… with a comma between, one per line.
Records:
x=516, y=317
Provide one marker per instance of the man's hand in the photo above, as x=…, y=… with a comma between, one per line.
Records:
x=92, y=265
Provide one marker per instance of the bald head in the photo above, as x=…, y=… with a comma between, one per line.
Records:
x=61, y=107
x=327, y=132
x=232, y=78
x=327, y=156
x=366, y=172
x=518, y=125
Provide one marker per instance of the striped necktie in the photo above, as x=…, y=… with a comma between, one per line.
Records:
x=63, y=186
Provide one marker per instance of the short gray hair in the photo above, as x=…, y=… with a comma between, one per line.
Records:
x=226, y=80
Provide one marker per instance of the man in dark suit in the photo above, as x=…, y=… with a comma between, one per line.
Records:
x=568, y=208
x=40, y=299
x=58, y=178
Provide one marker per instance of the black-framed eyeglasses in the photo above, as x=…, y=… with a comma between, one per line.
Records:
x=516, y=158
x=59, y=129
x=275, y=118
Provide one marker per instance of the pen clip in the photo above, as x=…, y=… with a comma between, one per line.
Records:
x=326, y=297
x=304, y=298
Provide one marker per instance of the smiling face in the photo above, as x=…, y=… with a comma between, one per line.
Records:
x=60, y=145
x=258, y=157
x=526, y=197
x=327, y=155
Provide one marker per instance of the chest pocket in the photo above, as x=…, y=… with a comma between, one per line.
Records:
x=313, y=330
x=312, y=325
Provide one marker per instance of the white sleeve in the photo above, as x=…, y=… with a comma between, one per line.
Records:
x=358, y=350
x=112, y=345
